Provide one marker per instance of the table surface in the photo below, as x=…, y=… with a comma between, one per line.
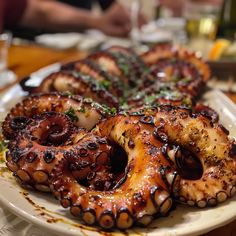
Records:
x=25, y=59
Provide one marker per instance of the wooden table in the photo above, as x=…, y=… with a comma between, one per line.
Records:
x=24, y=60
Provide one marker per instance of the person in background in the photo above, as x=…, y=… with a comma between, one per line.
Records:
x=55, y=16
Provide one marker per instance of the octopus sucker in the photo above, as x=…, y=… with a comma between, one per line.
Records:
x=211, y=145
x=83, y=112
x=49, y=137
x=142, y=175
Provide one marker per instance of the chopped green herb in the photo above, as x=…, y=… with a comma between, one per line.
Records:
x=3, y=145
x=68, y=93
x=72, y=114
x=187, y=101
x=124, y=106
x=174, y=79
x=125, y=69
x=150, y=99
x=88, y=100
x=106, y=84
x=186, y=80
x=82, y=109
x=113, y=111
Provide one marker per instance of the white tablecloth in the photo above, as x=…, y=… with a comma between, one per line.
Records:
x=11, y=225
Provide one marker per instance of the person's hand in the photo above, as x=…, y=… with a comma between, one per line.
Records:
x=115, y=21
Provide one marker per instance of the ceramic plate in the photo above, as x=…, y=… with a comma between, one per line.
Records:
x=44, y=211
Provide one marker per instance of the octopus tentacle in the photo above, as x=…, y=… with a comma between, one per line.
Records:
x=80, y=84
x=44, y=142
x=208, y=142
x=83, y=112
x=185, y=76
x=146, y=192
x=124, y=64
x=206, y=111
x=88, y=67
x=159, y=96
x=168, y=51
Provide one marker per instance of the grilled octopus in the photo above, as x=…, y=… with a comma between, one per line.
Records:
x=43, y=128
x=178, y=66
x=146, y=193
x=110, y=82
x=45, y=141
x=170, y=152
x=79, y=84
x=90, y=155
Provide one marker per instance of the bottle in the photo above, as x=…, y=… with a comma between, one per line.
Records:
x=227, y=20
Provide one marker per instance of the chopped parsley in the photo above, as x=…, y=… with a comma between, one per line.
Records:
x=150, y=99
x=3, y=148
x=113, y=111
x=3, y=145
x=68, y=93
x=186, y=80
x=72, y=114
x=82, y=109
x=105, y=84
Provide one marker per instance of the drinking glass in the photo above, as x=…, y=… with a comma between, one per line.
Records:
x=201, y=19
x=6, y=76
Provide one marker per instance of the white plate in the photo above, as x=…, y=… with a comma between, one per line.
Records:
x=44, y=211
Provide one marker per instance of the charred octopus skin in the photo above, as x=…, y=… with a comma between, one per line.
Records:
x=79, y=84
x=88, y=67
x=178, y=66
x=45, y=141
x=83, y=112
x=210, y=144
x=168, y=51
x=141, y=194
x=124, y=64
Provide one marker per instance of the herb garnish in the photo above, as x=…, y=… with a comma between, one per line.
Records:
x=72, y=114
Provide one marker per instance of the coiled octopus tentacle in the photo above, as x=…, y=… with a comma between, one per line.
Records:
x=208, y=142
x=83, y=112
x=167, y=51
x=48, y=139
x=137, y=197
x=185, y=76
x=79, y=84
